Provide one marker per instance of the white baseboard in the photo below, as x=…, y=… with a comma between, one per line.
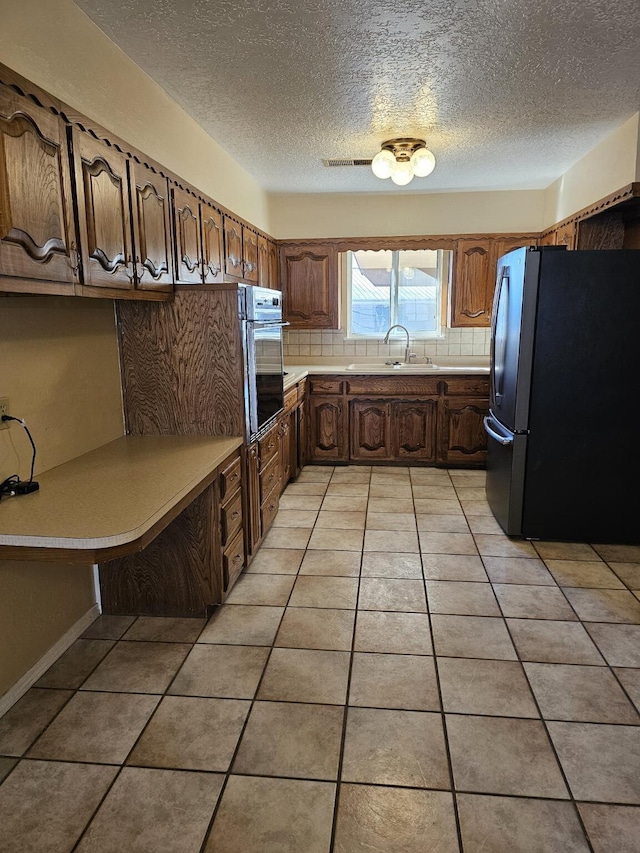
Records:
x=50, y=657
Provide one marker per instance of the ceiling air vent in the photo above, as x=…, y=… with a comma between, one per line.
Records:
x=350, y=162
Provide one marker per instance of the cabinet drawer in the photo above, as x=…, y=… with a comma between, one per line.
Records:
x=269, y=476
x=323, y=385
x=230, y=478
x=290, y=398
x=231, y=518
x=302, y=389
x=394, y=386
x=233, y=561
x=467, y=386
x=269, y=509
x=268, y=446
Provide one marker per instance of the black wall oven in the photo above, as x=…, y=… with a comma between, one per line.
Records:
x=261, y=314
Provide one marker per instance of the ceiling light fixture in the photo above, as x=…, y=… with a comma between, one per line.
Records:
x=401, y=159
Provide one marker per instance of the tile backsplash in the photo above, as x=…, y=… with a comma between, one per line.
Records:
x=455, y=342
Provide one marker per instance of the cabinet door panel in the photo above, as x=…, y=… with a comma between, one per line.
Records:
x=274, y=277
x=253, y=498
x=263, y=262
x=250, y=254
x=303, y=437
x=186, y=235
x=37, y=232
x=472, y=283
x=211, y=244
x=370, y=427
x=414, y=430
x=285, y=449
x=151, y=229
x=463, y=437
x=329, y=428
x=309, y=283
x=103, y=205
x=232, y=248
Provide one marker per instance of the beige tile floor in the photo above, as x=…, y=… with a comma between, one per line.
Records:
x=392, y=673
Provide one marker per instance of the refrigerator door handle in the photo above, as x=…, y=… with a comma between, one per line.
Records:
x=499, y=333
x=491, y=428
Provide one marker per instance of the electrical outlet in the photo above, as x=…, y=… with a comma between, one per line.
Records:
x=4, y=410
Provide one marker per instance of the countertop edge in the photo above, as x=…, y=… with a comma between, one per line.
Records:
x=132, y=535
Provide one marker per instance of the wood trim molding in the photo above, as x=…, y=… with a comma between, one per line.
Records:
x=431, y=241
x=626, y=193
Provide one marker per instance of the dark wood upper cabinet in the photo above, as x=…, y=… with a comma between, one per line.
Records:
x=212, y=243
x=233, y=248
x=474, y=277
x=566, y=235
x=250, y=254
x=102, y=181
x=309, y=284
x=151, y=229
x=274, y=277
x=472, y=291
x=263, y=262
x=186, y=236
x=37, y=233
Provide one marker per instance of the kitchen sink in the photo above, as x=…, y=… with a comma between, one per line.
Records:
x=399, y=367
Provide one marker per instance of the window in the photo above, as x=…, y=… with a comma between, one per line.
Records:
x=386, y=287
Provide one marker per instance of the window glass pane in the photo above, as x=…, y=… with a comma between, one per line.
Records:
x=370, y=292
x=418, y=291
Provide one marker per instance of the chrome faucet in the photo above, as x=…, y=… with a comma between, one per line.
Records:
x=407, y=352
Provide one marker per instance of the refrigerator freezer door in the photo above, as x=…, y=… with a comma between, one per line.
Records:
x=505, y=475
x=512, y=335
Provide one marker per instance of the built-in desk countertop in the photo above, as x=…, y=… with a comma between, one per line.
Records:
x=111, y=501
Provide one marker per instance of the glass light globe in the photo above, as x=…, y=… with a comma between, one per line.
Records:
x=383, y=163
x=402, y=173
x=423, y=162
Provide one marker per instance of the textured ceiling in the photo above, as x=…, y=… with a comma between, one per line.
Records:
x=507, y=93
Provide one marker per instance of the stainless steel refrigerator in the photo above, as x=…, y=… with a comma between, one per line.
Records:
x=563, y=430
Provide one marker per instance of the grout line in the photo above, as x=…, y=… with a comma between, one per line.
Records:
x=443, y=719
x=336, y=805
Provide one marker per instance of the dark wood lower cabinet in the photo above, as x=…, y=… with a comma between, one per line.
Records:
x=421, y=421
x=370, y=429
x=462, y=430
x=414, y=430
x=329, y=428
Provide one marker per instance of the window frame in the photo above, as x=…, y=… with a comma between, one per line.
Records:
x=444, y=265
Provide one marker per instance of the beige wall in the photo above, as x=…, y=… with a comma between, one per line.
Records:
x=38, y=604
x=612, y=164
x=59, y=368
x=54, y=44
x=294, y=216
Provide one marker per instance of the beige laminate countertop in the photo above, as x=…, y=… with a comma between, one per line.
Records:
x=112, y=496
x=296, y=372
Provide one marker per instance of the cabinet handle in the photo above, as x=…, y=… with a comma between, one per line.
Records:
x=235, y=514
x=473, y=314
x=237, y=559
x=74, y=259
